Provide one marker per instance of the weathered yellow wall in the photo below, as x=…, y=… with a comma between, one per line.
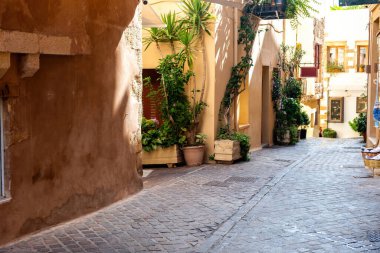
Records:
x=72, y=131
x=220, y=55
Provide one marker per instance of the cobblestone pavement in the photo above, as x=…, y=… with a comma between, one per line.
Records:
x=312, y=197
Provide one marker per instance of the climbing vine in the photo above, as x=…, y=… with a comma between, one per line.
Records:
x=239, y=72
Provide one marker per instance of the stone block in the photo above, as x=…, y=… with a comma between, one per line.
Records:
x=5, y=63
x=30, y=64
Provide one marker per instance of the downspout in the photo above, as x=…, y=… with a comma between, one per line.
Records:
x=235, y=48
x=368, y=74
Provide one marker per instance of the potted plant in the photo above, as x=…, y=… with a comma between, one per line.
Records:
x=359, y=124
x=196, y=27
x=305, y=121
x=231, y=146
x=159, y=146
x=194, y=154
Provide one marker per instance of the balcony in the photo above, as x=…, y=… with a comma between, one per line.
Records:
x=357, y=2
x=311, y=91
x=270, y=9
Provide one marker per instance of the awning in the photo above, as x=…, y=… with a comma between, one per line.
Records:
x=231, y=3
x=150, y=17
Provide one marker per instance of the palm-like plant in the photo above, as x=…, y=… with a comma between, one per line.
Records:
x=198, y=19
x=155, y=36
x=172, y=29
x=168, y=34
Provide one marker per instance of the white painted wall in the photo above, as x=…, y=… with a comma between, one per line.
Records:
x=349, y=26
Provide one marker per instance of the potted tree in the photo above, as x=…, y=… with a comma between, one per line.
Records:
x=359, y=124
x=196, y=25
x=305, y=121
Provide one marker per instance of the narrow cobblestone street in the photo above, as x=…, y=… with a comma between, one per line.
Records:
x=312, y=197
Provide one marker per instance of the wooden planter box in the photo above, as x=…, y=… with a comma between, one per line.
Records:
x=169, y=156
x=227, y=151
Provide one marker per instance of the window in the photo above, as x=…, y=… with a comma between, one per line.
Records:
x=336, y=110
x=362, y=58
x=361, y=104
x=150, y=104
x=335, y=59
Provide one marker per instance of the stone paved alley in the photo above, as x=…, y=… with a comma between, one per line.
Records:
x=312, y=197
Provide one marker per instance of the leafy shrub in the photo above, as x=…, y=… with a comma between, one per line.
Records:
x=305, y=121
x=334, y=67
x=292, y=109
x=293, y=135
x=359, y=124
x=292, y=88
x=150, y=134
x=329, y=133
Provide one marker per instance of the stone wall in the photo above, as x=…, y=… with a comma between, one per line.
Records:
x=71, y=88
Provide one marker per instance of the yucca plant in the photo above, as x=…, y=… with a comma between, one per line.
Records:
x=156, y=37
x=172, y=29
x=197, y=21
x=168, y=34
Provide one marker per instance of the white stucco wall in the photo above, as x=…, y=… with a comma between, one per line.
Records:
x=348, y=27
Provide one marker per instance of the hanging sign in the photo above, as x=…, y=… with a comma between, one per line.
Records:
x=357, y=2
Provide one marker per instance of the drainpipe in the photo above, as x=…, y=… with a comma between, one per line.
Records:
x=235, y=48
x=368, y=73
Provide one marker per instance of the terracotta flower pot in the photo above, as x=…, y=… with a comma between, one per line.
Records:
x=194, y=155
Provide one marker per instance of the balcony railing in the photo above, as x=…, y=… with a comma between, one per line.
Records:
x=270, y=9
x=311, y=91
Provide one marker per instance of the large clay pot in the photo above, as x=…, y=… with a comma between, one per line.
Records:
x=194, y=155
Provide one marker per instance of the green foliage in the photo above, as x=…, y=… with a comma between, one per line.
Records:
x=359, y=124
x=239, y=71
x=297, y=9
x=200, y=139
x=168, y=34
x=286, y=100
x=175, y=108
x=292, y=109
x=344, y=8
x=305, y=121
x=329, y=133
x=276, y=90
x=334, y=67
x=198, y=16
x=150, y=135
x=154, y=136
x=292, y=88
x=289, y=59
x=293, y=134
x=243, y=139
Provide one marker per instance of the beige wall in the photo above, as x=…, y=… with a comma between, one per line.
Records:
x=72, y=135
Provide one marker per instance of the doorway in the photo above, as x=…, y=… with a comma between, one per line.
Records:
x=266, y=108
